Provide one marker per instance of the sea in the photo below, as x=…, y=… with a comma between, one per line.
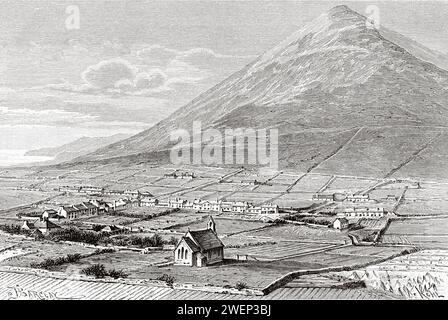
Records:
x=14, y=157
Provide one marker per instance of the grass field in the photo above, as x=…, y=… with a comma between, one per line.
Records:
x=279, y=250
x=38, y=251
x=425, y=232
x=170, y=220
x=423, y=207
x=310, y=183
x=14, y=198
x=224, y=226
x=349, y=184
x=298, y=232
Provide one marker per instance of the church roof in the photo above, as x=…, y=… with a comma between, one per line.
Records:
x=191, y=244
x=206, y=239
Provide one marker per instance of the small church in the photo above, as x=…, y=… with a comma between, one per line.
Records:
x=199, y=248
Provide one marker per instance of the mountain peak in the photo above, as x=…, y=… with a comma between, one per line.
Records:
x=334, y=87
x=340, y=9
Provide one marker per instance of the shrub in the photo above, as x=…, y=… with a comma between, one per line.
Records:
x=96, y=270
x=117, y=274
x=49, y=262
x=76, y=235
x=13, y=229
x=241, y=285
x=173, y=240
x=97, y=227
x=156, y=240
x=168, y=279
x=105, y=250
x=73, y=257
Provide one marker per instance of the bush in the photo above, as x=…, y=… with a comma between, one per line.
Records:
x=73, y=257
x=97, y=227
x=241, y=285
x=13, y=229
x=173, y=240
x=168, y=279
x=76, y=235
x=156, y=240
x=96, y=270
x=49, y=262
x=106, y=250
x=136, y=241
x=117, y=274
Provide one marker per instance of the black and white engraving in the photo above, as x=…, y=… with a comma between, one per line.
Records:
x=215, y=150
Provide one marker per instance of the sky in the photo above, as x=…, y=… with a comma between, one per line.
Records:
x=128, y=64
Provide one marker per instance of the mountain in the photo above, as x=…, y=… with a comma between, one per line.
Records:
x=77, y=148
x=344, y=97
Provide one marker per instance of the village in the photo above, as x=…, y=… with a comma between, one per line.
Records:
x=219, y=223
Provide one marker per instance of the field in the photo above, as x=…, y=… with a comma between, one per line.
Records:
x=14, y=198
x=224, y=226
x=424, y=232
x=295, y=200
x=110, y=220
x=349, y=184
x=170, y=220
x=311, y=183
x=423, y=207
x=299, y=232
x=348, y=256
x=256, y=253
x=37, y=251
x=420, y=275
x=279, y=250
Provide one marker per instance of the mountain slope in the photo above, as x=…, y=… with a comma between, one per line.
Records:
x=77, y=148
x=318, y=87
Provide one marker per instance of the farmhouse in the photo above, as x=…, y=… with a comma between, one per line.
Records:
x=269, y=208
x=360, y=212
x=77, y=210
x=149, y=202
x=177, y=203
x=50, y=214
x=132, y=193
x=340, y=223
x=357, y=198
x=199, y=248
x=71, y=189
x=101, y=206
x=43, y=226
x=90, y=189
x=181, y=175
x=27, y=225
x=240, y=207
x=121, y=204
x=250, y=182
x=323, y=197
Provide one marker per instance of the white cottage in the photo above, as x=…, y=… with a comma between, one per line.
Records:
x=340, y=223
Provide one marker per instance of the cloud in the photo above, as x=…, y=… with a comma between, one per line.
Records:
x=107, y=73
x=154, y=71
x=206, y=58
x=150, y=80
x=157, y=55
x=4, y=92
x=50, y=116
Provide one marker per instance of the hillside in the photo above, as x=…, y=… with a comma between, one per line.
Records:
x=339, y=92
x=77, y=148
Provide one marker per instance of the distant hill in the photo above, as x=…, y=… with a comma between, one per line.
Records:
x=77, y=148
x=346, y=98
